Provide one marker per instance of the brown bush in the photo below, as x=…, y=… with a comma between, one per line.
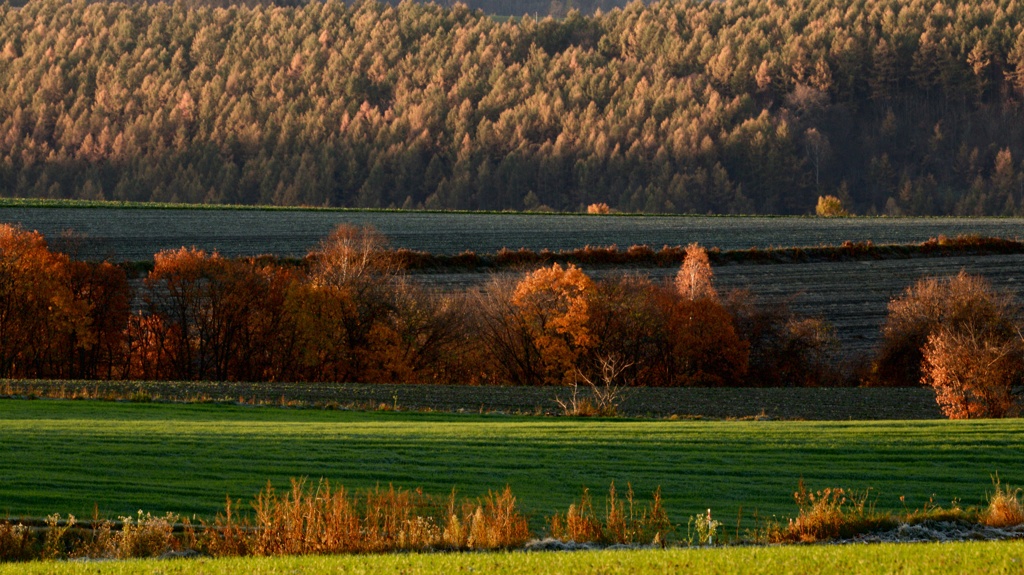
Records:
x=786, y=349
x=16, y=542
x=958, y=303
x=973, y=373
x=828, y=514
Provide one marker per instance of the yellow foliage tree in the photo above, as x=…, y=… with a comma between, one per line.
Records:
x=830, y=207
x=694, y=279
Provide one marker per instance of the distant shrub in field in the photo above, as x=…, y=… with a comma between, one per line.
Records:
x=598, y=208
x=964, y=305
x=830, y=207
x=601, y=397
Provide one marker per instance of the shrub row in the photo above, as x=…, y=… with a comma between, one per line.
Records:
x=670, y=256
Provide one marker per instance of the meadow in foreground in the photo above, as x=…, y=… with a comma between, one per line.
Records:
x=944, y=558
x=116, y=458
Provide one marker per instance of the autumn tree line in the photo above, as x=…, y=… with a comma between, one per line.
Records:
x=725, y=106
x=347, y=313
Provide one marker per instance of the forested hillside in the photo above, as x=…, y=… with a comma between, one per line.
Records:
x=725, y=106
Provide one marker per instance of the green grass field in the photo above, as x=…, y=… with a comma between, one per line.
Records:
x=71, y=456
x=945, y=558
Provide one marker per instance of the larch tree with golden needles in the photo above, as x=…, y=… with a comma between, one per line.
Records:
x=694, y=279
x=554, y=305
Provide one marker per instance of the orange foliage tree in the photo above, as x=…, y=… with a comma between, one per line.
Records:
x=704, y=348
x=39, y=313
x=348, y=293
x=107, y=295
x=216, y=318
x=554, y=304
x=973, y=373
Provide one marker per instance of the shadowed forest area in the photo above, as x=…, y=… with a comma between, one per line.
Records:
x=726, y=107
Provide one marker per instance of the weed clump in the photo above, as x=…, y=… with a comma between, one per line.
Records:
x=828, y=514
x=322, y=520
x=1004, y=507
x=625, y=522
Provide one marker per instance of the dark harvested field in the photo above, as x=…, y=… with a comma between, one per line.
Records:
x=136, y=233
x=776, y=403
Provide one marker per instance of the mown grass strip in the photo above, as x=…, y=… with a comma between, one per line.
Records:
x=71, y=456
x=939, y=558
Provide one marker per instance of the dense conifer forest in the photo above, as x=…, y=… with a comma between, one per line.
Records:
x=731, y=106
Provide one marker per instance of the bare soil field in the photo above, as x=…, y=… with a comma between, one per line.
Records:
x=137, y=233
x=716, y=403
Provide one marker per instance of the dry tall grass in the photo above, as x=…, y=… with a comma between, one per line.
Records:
x=319, y=519
x=625, y=521
x=827, y=514
x=16, y=542
x=1004, y=507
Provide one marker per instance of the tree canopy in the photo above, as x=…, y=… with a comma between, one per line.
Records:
x=725, y=106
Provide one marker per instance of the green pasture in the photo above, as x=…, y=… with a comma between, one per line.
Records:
x=77, y=456
x=939, y=558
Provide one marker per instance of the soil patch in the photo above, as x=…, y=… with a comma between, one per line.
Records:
x=719, y=403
